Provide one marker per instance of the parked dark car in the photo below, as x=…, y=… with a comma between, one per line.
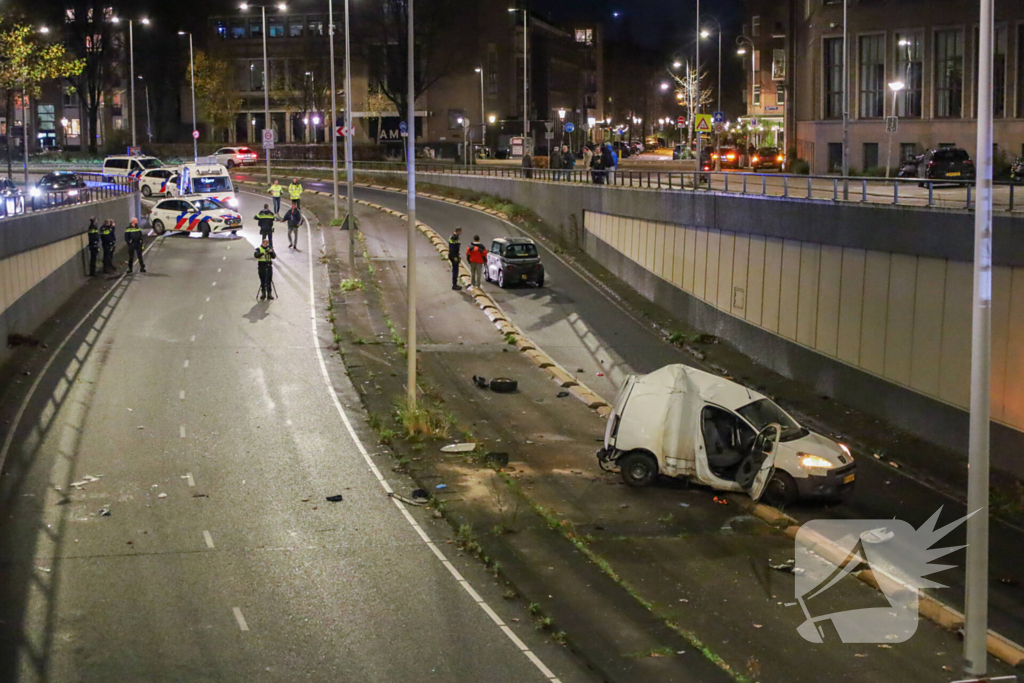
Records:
x=12, y=197
x=58, y=188
x=767, y=157
x=946, y=163
x=514, y=260
x=729, y=157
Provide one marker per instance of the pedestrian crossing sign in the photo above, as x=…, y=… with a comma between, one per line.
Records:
x=703, y=124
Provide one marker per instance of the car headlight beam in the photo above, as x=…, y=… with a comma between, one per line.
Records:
x=809, y=461
x=233, y=202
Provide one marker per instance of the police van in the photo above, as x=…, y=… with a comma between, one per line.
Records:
x=124, y=166
x=208, y=178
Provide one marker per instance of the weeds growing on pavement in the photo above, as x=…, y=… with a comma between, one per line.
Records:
x=350, y=285
x=423, y=418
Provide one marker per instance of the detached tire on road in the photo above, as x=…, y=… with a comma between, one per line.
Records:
x=781, y=490
x=503, y=385
x=158, y=227
x=638, y=469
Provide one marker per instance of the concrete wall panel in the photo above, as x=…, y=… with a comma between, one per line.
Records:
x=807, y=298
x=875, y=312
x=690, y=259
x=1001, y=278
x=899, y=326
x=679, y=256
x=700, y=260
x=789, y=292
x=772, y=284
x=955, y=363
x=713, y=262
x=929, y=308
x=851, y=305
x=829, y=279
x=1013, y=401
x=755, y=280
x=737, y=303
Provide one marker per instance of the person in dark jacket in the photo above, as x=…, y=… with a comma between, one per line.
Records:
x=94, y=245
x=595, y=168
x=607, y=164
x=133, y=238
x=265, y=256
x=527, y=166
x=555, y=163
x=294, y=219
x=108, y=238
x=265, y=219
x=568, y=163
x=455, y=256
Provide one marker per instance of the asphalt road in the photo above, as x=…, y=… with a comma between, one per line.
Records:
x=586, y=331
x=202, y=420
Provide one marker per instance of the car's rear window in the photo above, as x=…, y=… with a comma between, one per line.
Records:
x=951, y=154
x=768, y=151
x=521, y=251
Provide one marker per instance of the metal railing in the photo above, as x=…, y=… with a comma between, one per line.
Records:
x=906, y=192
x=98, y=188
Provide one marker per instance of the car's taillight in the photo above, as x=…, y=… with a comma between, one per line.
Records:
x=779, y=158
x=969, y=162
x=714, y=156
x=752, y=159
x=731, y=157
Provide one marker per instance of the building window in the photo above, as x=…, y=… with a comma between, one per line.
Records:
x=221, y=27
x=275, y=27
x=835, y=157
x=780, y=94
x=755, y=26
x=909, y=70
x=872, y=76
x=70, y=98
x=296, y=26
x=237, y=29
x=585, y=36
x=255, y=28
x=757, y=94
x=74, y=128
x=778, y=65
x=256, y=75
x=316, y=26
x=870, y=155
x=998, y=72
x=491, y=74
x=908, y=150
x=833, y=78
x=949, y=73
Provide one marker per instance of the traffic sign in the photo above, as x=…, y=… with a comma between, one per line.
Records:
x=550, y=125
x=549, y=136
x=569, y=127
x=753, y=122
x=703, y=123
x=891, y=124
x=268, y=138
x=342, y=131
x=403, y=127
x=681, y=121
x=718, y=117
x=195, y=134
x=719, y=127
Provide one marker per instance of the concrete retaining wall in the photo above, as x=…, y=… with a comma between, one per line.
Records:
x=869, y=304
x=43, y=261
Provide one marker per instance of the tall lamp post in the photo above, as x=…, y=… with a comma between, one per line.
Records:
x=704, y=33
x=846, y=106
x=349, y=171
x=697, y=98
x=131, y=65
x=526, y=116
x=410, y=160
x=483, y=124
x=266, y=74
x=192, y=71
x=895, y=86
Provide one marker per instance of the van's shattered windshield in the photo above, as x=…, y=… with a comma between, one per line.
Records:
x=763, y=412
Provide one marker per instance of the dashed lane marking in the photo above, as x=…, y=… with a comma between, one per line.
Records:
x=240, y=619
x=181, y=431
x=186, y=364
x=209, y=544
x=191, y=480
x=181, y=394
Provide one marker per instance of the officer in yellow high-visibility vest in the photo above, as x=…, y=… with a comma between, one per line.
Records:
x=295, y=192
x=275, y=191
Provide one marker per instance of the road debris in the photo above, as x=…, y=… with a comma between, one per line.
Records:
x=21, y=340
x=420, y=493
x=721, y=501
x=161, y=495
x=104, y=512
x=562, y=394
x=503, y=385
x=481, y=382
x=787, y=567
x=407, y=501
x=441, y=486
x=459, y=448
x=87, y=479
x=335, y=498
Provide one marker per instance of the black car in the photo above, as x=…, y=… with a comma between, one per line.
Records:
x=767, y=157
x=12, y=201
x=728, y=156
x=946, y=163
x=514, y=260
x=59, y=188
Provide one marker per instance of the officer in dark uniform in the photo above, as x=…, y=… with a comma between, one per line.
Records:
x=108, y=238
x=265, y=219
x=133, y=237
x=94, y=245
x=454, y=256
x=265, y=256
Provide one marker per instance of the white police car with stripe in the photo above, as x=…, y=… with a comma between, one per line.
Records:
x=159, y=182
x=194, y=213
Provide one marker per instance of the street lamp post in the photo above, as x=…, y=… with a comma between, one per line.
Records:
x=704, y=34
x=741, y=41
x=192, y=70
x=483, y=125
x=131, y=67
x=464, y=122
x=266, y=77
x=697, y=98
x=526, y=116
x=895, y=86
x=410, y=156
x=334, y=110
x=846, y=106
x=349, y=171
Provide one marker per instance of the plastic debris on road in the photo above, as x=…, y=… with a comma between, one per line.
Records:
x=480, y=382
x=562, y=394
x=104, y=512
x=162, y=495
x=459, y=448
x=441, y=486
x=335, y=498
x=407, y=501
x=787, y=567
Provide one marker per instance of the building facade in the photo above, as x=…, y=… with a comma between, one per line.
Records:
x=926, y=49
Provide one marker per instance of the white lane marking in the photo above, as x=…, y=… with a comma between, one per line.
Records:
x=186, y=364
x=42, y=373
x=209, y=542
x=201, y=315
x=181, y=431
x=214, y=284
x=207, y=299
x=224, y=258
x=181, y=394
x=190, y=478
x=240, y=619
x=218, y=270
x=192, y=338
x=387, y=487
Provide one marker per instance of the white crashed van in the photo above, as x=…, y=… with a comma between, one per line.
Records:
x=683, y=422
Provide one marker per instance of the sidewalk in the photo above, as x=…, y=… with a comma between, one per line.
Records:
x=699, y=566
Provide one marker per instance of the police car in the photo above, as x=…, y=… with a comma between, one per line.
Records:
x=209, y=178
x=195, y=213
x=160, y=182
x=124, y=166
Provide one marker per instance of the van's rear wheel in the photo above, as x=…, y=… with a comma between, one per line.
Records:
x=638, y=469
x=781, y=490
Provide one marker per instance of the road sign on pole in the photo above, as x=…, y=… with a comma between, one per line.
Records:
x=681, y=121
x=718, y=117
x=403, y=127
x=550, y=125
x=703, y=123
x=549, y=136
x=719, y=127
x=268, y=138
x=891, y=124
x=195, y=134
x=569, y=127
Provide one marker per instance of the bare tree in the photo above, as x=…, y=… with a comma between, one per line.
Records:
x=440, y=48
x=691, y=95
x=90, y=35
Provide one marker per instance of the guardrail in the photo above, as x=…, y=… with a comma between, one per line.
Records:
x=911, y=192
x=98, y=188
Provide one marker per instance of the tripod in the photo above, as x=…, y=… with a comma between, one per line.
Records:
x=272, y=285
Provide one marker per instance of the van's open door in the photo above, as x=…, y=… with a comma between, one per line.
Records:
x=767, y=443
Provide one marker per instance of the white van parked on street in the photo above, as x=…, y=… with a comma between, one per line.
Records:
x=683, y=422
x=209, y=178
x=124, y=166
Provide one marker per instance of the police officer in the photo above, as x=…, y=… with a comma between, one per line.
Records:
x=275, y=192
x=94, y=245
x=265, y=219
x=294, y=219
x=454, y=256
x=108, y=238
x=295, y=192
x=265, y=256
x=133, y=237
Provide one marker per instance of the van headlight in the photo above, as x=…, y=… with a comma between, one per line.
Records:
x=809, y=461
x=35, y=192
x=233, y=203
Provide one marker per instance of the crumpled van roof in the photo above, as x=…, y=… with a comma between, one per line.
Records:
x=711, y=388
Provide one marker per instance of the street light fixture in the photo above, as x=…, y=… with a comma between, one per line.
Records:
x=192, y=72
x=705, y=33
x=44, y=29
x=483, y=126
x=895, y=86
x=266, y=73
x=676, y=64
x=664, y=86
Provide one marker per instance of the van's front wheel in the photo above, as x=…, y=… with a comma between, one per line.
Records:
x=781, y=490
x=638, y=469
